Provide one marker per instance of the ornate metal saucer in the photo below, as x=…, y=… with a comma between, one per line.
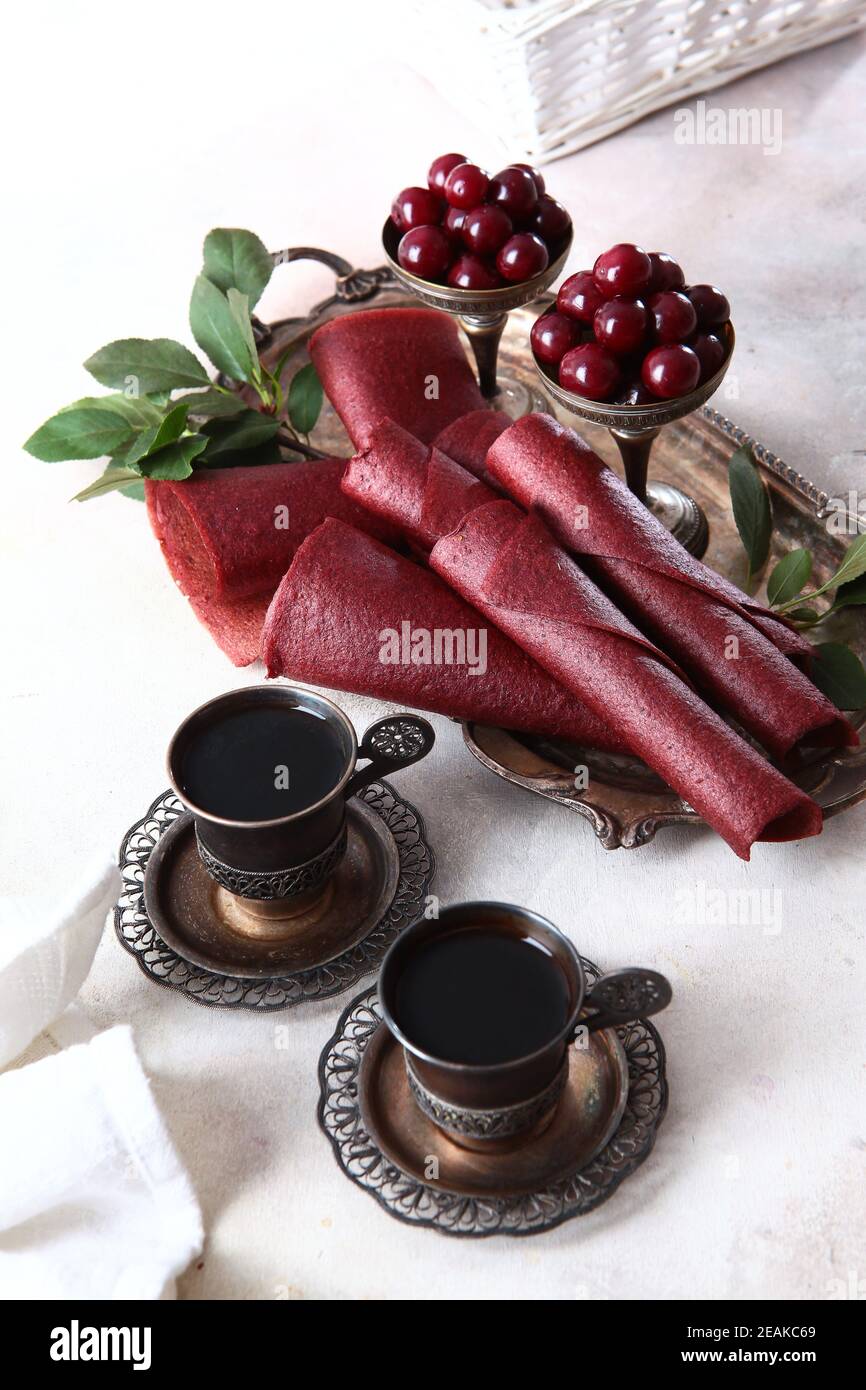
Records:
x=604, y=1128
x=625, y=804
x=186, y=941
x=635, y=429
x=484, y=314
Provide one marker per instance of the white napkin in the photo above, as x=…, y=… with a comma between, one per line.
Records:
x=94, y=1201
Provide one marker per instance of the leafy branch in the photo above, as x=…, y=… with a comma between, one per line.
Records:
x=836, y=669
x=146, y=430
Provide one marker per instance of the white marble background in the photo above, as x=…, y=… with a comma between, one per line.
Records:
x=128, y=136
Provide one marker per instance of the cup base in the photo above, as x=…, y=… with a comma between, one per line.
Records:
x=278, y=919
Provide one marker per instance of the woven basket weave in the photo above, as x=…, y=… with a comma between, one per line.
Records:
x=550, y=76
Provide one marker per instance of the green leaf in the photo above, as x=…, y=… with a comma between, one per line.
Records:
x=806, y=615
x=851, y=593
x=266, y=453
x=135, y=491
x=751, y=507
x=235, y=259
x=305, y=399
x=240, y=307
x=139, y=411
x=150, y=364
x=248, y=431
x=213, y=405
x=112, y=479
x=216, y=331
x=174, y=460
x=852, y=567
x=839, y=673
x=79, y=432
x=789, y=577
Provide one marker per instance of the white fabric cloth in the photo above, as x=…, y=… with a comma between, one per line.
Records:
x=45, y=954
x=94, y=1201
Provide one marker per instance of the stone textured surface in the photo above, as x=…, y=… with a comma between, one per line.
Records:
x=755, y=1187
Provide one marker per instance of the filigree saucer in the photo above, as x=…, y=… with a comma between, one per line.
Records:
x=616, y=1100
x=190, y=949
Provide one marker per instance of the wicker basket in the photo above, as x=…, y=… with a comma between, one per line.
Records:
x=550, y=76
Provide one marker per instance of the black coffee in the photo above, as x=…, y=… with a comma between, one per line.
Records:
x=481, y=997
x=262, y=762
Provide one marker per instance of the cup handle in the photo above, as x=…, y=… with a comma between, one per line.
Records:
x=624, y=995
x=391, y=744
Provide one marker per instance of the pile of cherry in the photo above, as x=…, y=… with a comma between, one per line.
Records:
x=630, y=330
x=474, y=232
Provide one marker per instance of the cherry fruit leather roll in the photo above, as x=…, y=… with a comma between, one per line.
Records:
x=405, y=363
x=678, y=601
x=343, y=590
x=412, y=485
x=467, y=440
x=225, y=543
x=508, y=566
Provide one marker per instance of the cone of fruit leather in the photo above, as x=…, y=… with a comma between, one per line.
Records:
x=405, y=363
x=509, y=567
x=467, y=440
x=354, y=615
x=228, y=536
x=735, y=651
x=412, y=485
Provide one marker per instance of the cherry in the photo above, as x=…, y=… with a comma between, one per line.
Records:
x=453, y=224
x=552, y=335
x=440, y=169
x=711, y=306
x=486, y=229
x=550, y=220
x=416, y=207
x=624, y=269
x=466, y=186
x=537, y=179
x=471, y=273
x=590, y=371
x=522, y=257
x=634, y=393
x=579, y=297
x=514, y=190
x=425, y=251
x=671, y=371
x=620, y=324
x=673, y=316
x=666, y=273
x=711, y=353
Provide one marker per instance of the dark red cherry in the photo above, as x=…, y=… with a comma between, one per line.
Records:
x=466, y=186
x=416, y=207
x=453, y=223
x=579, y=297
x=624, y=269
x=537, y=179
x=425, y=251
x=522, y=257
x=621, y=324
x=711, y=353
x=673, y=316
x=514, y=190
x=471, y=273
x=552, y=335
x=671, y=371
x=634, y=393
x=590, y=371
x=486, y=229
x=666, y=273
x=440, y=169
x=550, y=220
x=711, y=306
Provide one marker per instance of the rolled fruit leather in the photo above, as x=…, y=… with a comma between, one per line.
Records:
x=510, y=568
